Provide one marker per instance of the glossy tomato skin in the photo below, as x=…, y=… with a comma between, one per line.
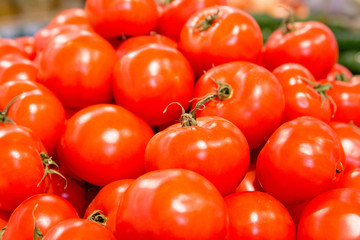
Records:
x=249, y=182
x=258, y=215
x=74, y=16
x=116, y=18
x=28, y=45
x=331, y=215
x=21, y=168
x=77, y=228
x=301, y=99
x=338, y=69
x=233, y=36
x=77, y=67
x=13, y=67
x=350, y=179
x=350, y=140
x=146, y=80
x=311, y=44
x=174, y=15
x=256, y=104
x=108, y=200
x=103, y=143
x=172, y=204
x=11, y=47
x=50, y=210
x=200, y=148
x=300, y=160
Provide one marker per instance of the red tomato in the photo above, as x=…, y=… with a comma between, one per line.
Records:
x=28, y=45
x=133, y=43
x=103, y=143
x=175, y=13
x=199, y=148
x=227, y=34
x=11, y=47
x=311, y=44
x=350, y=140
x=303, y=96
x=258, y=215
x=75, y=16
x=350, y=179
x=300, y=160
x=78, y=228
x=248, y=96
x=172, y=204
x=151, y=77
x=45, y=209
x=116, y=18
x=21, y=168
x=107, y=201
x=250, y=182
x=336, y=71
x=331, y=215
x=14, y=67
x=77, y=67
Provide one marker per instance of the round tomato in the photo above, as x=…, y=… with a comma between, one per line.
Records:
x=350, y=179
x=302, y=159
x=103, y=143
x=75, y=16
x=338, y=71
x=258, y=215
x=13, y=67
x=311, y=44
x=11, y=47
x=220, y=34
x=28, y=45
x=172, y=204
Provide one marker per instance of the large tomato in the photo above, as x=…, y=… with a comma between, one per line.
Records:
x=198, y=147
x=77, y=67
x=13, y=67
x=147, y=79
x=116, y=18
x=11, y=47
x=74, y=16
x=220, y=34
x=302, y=159
x=46, y=210
x=103, y=143
x=171, y=204
x=331, y=215
x=246, y=94
x=258, y=215
x=311, y=44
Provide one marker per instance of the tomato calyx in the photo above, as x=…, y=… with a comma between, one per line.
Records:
x=341, y=168
x=342, y=77
x=3, y=114
x=287, y=24
x=98, y=217
x=37, y=233
x=206, y=23
x=164, y=2
x=354, y=125
x=186, y=119
x=48, y=162
x=2, y=231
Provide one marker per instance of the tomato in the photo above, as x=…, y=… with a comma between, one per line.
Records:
x=14, y=67
x=78, y=228
x=28, y=45
x=11, y=47
x=21, y=168
x=311, y=44
x=107, y=202
x=350, y=179
x=175, y=13
x=75, y=16
x=346, y=95
x=302, y=159
x=303, y=96
x=245, y=94
x=172, y=204
x=336, y=72
x=45, y=209
x=334, y=214
x=134, y=43
x=258, y=215
x=146, y=80
x=116, y=18
x=103, y=143
x=220, y=34
x=350, y=140
x=249, y=182
x=77, y=67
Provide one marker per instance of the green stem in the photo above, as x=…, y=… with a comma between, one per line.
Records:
x=287, y=24
x=206, y=23
x=48, y=163
x=2, y=231
x=342, y=168
x=186, y=119
x=342, y=77
x=37, y=233
x=98, y=217
x=3, y=114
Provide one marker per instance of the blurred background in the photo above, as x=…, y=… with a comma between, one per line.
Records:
x=25, y=17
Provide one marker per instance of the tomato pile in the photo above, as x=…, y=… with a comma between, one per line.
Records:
x=137, y=119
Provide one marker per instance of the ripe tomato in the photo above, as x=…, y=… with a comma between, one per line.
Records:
x=146, y=80
x=350, y=179
x=28, y=45
x=220, y=34
x=334, y=214
x=303, y=96
x=46, y=210
x=336, y=71
x=300, y=160
x=311, y=44
x=172, y=204
x=75, y=16
x=14, y=67
x=107, y=202
x=116, y=18
x=247, y=98
x=77, y=67
x=249, y=182
x=78, y=228
x=258, y=215
x=103, y=143
x=175, y=13
x=11, y=47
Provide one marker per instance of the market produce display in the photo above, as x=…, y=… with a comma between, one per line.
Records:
x=177, y=120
